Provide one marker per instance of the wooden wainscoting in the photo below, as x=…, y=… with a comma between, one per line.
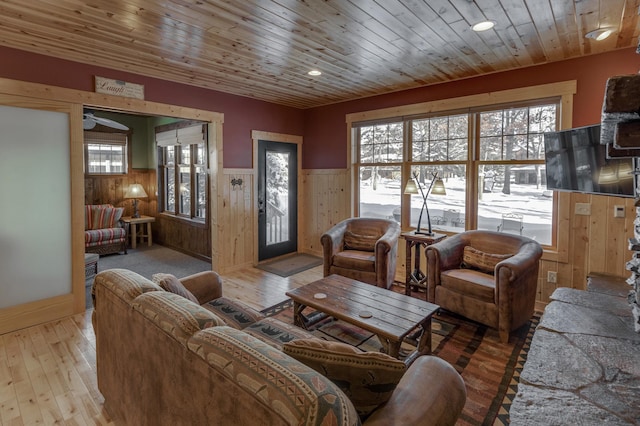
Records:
x=185, y=236
x=236, y=219
x=111, y=190
x=596, y=243
x=326, y=202
x=182, y=235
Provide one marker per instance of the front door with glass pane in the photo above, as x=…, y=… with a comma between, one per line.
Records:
x=277, y=199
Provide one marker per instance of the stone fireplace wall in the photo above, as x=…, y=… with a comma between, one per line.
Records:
x=634, y=264
x=621, y=132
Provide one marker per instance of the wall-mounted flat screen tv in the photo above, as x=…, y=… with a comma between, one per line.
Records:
x=576, y=161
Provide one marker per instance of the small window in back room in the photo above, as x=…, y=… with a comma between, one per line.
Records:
x=105, y=153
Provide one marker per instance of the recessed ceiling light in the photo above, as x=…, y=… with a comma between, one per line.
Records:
x=314, y=73
x=599, y=34
x=483, y=26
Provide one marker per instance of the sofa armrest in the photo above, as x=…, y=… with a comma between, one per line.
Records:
x=205, y=286
x=431, y=392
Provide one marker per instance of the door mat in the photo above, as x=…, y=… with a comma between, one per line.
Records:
x=290, y=265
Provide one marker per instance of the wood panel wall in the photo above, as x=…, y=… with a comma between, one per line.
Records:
x=594, y=243
x=326, y=202
x=111, y=190
x=237, y=219
x=185, y=236
x=182, y=235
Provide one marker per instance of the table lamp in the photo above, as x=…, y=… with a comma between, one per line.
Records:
x=135, y=191
x=436, y=187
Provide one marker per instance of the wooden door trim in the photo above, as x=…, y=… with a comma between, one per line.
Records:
x=73, y=100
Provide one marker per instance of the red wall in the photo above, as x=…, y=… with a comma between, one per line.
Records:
x=241, y=114
x=325, y=136
x=324, y=128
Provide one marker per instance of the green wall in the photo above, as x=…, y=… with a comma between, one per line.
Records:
x=143, y=153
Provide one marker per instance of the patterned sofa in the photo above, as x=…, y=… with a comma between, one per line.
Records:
x=185, y=355
x=104, y=231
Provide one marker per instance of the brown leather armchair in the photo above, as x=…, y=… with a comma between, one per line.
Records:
x=363, y=249
x=486, y=276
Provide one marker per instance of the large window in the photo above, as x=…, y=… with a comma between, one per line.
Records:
x=182, y=170
x=490, y=159
x=105, y=153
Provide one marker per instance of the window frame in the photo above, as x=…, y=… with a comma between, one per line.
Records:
x=106, y=130
x=175, y=169
x=561, y=92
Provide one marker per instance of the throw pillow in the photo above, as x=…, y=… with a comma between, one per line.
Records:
x=486, y=262
x=171, y=284
x=367, y=378
x=360, y=242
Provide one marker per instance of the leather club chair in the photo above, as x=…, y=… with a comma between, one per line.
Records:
x=486, y=276
x=363, y=249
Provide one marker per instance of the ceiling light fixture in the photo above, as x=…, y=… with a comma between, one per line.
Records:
x=483, y=26
x=599, y=34
x=314, y=73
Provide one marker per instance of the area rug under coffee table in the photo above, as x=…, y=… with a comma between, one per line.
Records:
x=489, y=368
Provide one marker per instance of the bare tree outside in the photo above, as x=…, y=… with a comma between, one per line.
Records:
x=510, y=164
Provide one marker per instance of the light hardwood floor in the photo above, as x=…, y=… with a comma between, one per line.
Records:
x=48, y=372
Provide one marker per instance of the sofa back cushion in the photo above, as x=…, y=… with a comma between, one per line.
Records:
x=125, y=283
x=106, y=217
x=88, y=214
x=298, y=393
x=177, y=316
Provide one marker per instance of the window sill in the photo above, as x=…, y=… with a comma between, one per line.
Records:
x=195, y=223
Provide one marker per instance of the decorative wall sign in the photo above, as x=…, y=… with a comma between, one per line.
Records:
x=119, y=88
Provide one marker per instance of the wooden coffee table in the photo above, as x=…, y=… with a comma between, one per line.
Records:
x=389, y=315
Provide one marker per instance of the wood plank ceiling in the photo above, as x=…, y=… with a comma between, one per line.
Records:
x=263, y=49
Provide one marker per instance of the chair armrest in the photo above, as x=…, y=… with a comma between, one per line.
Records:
x=526, y=258
x=205, y=286
x=385, y=253
x=388, y=240
x=448, y=252
x=333, y=238
x=431, y=392
x=332, y=243
x=442, y=256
